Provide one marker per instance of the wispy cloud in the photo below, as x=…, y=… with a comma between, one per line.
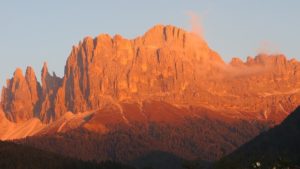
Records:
x=267, y=47
x=195, y=23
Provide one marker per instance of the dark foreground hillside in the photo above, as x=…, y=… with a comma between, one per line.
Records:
x=277, y=148
x=14, y=156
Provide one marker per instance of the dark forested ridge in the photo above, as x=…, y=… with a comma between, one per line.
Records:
x=205, y=139
x=15, y=156
x=279, y=147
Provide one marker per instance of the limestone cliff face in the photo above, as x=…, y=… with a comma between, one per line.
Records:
x=21, y=95
x=165, y=64
x=266, y=84
x=50, y=85
x=159, y=65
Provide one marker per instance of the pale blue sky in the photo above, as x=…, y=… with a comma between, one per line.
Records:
x=32, y=32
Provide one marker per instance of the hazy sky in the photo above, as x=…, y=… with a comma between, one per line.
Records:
x=32, y=32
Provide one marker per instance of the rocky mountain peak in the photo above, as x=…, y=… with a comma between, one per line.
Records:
x=18, y=73
x=45, y=70
x=267, y=59
x=236, y=62
x=159, y=34
x=166, y=63
x=20, y=95
x=30, y=74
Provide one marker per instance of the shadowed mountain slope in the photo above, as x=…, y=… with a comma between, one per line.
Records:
x=14, y=156
x=278, y=146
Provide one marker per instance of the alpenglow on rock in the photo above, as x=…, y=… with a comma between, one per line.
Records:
x=21, y=95
x=165, y=64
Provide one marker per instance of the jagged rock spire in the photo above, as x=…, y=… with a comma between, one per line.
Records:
x=20, y=96
x=166, y=64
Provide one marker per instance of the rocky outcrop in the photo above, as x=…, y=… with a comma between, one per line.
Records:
x=21, y=95
x=159, y=65
x=50, y=85
x=166, y=64
x=24, y=98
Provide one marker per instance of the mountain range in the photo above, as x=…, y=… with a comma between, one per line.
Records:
x=167, y=90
